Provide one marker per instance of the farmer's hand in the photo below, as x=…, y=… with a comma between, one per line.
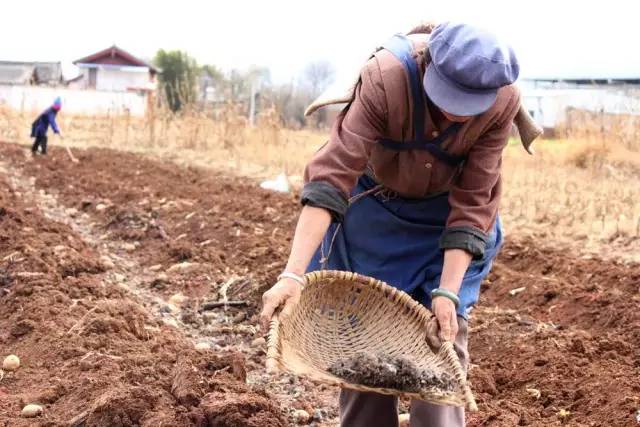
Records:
x=286, y=294
x=444, y=325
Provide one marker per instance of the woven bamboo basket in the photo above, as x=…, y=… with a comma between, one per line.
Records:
x=341, y=314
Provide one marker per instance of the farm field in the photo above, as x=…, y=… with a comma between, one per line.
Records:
x=115, y=271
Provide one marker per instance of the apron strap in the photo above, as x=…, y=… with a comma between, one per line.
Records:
x=402, y=48
x=433, y=146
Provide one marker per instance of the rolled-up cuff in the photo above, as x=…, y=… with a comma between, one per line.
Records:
x=324, y=195
x=469, y=239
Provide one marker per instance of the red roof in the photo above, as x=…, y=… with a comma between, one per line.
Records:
x=115, y=56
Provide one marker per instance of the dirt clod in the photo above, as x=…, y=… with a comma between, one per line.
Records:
x=229, y=409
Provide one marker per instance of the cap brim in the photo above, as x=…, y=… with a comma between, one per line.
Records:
x=454, y=99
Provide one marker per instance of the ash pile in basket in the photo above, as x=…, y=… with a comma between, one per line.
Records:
x=407, y=189
x=383, y=371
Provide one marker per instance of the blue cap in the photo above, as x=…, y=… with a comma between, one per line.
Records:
x=468, y=66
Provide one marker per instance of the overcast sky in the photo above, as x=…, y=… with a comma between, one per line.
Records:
x=551, y=37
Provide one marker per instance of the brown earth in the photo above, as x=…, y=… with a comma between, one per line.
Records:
x=561, y=351
x=572, y=334
x=91, y=354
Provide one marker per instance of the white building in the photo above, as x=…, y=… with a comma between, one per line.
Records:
x=115, y=70
x=548, y=99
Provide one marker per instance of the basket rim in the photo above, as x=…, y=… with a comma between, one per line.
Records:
x=275, y=362
x=397, y=296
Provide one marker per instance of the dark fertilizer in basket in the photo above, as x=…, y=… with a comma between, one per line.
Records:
x=384, y=371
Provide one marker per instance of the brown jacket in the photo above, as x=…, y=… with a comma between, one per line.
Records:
x=382, y=108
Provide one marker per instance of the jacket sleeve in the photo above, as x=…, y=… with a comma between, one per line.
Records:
x=335, y=168
x=475, y=196
x=52, y=121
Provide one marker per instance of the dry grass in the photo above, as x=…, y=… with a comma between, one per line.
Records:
x=602, y=127
x=222, y=139
x=576, y=189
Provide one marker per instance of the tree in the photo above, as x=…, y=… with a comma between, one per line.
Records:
x=211, y=83
x=178, y=77
x=214, y=72
x=318, y=75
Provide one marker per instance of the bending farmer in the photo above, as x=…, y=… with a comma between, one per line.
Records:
x=41, y=125
x=407, y=190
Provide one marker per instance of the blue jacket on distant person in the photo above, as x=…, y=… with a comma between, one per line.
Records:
x=47, y=118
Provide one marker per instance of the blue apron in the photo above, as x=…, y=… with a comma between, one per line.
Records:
x=396, y=239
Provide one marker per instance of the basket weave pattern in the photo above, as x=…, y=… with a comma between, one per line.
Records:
x=342, y=313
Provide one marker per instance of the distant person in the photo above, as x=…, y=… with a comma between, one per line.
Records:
x=41, y=125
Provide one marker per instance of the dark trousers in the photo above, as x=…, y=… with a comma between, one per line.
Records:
x=41, y=141
x=358, y=409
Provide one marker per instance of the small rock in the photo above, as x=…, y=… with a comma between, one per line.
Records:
x=203, y=346
x=319, y=415
x=183, y=267
x=301, y=416
x=31, y=410
x=403, y=420
x=60, y=249
x=177, y=299
x=170, y=322
x=118, y=277
x=100, y=207
x=155, y=267
x=107, y=262
x=299, y=390
x=534, y=392
x=11, y=363
x=259, y=342
x=129, y=247
x=169, y=309
x=72, y=212
x=240, y=317
x=160, y=282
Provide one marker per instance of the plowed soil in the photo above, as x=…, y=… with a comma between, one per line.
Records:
x=107, y=266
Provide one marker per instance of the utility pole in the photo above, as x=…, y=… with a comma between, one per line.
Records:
x=252, y=104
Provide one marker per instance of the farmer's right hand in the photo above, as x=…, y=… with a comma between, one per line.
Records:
x=285, y=294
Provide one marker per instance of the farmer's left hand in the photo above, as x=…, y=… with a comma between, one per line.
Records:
x=444, y=325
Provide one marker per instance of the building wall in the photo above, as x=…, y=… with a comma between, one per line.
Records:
x=115, y=78
x=549, y=104
x=122, y=79
x=33, y=99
